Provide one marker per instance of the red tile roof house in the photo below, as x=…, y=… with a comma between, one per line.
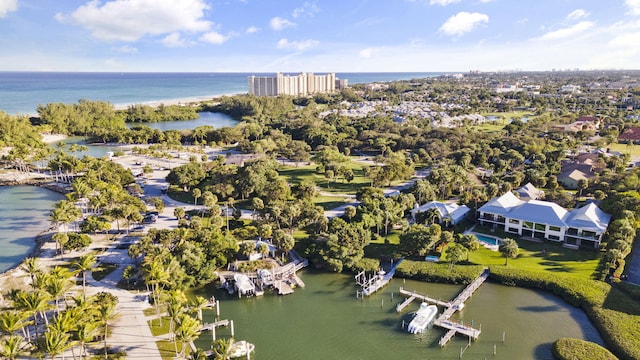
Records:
x=631, y=134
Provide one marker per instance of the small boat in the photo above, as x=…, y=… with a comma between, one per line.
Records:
x=424, y=316
x=240, y=349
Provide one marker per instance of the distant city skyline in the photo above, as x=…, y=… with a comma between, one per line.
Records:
x=318, y=36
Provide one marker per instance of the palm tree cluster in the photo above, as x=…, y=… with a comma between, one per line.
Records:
x=44, y=321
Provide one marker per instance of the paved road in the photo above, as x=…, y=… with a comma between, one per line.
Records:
x=130, y=332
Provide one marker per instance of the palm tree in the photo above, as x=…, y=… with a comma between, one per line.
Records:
x=509, y=249
x=57, y=287
x=175, y=300
x=197, y=304
x=155, y=276
x=221, y=349
x=13, y=320
x=32, y=267
x=105, y=315
x=187, y=331
x=433, y=215
x=85, y=332
x=12, y=347
x=196, y=193
x=33, y=302
x=199, y=354
x=470, y=242
x=84, y=264
x=54, y=343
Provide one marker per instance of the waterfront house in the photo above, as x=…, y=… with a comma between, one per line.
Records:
x=450, y=213
x=581, y=227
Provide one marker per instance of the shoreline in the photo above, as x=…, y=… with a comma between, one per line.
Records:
x=185, y=101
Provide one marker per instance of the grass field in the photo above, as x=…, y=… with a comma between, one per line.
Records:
x=546, y=257
x=295, y=175
x=633, y=150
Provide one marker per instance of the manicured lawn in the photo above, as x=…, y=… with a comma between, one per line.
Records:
x=543, y=257
x=329, y=202
x=295, y=175
x=633, y=150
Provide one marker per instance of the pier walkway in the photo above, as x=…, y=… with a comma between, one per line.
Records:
x=451, y=307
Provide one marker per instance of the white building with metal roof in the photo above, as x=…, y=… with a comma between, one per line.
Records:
x=582, y=227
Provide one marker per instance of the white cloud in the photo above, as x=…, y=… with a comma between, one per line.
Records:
x=278, y=23
x=486, y=1
x=252, y=30
x=126, y=49
x=129, y=20
x=308, y=8
x=626, y=40
x=443, y=2
x=634, y=6
x=7, y=6
x=174, y=40
x=366, y=53
x=463, y=22
x=298, y=45
x=213, y=37
x=577, y=14
x=568, y=32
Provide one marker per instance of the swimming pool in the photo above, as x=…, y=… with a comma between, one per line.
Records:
x=488, y=240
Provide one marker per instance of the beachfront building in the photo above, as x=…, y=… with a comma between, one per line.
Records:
x=302, y=84
x=449, y=213
x=581, y=227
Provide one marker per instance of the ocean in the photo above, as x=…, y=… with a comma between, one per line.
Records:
x=22, y=92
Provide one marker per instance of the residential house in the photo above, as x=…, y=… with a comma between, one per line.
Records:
x=582, y=166
x=631, y=134
x=581, y=227
x=530, y=192
x=450, y=213
x=569, y=179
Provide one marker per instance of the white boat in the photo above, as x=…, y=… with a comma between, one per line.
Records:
x=424, y=316
x=240, y=349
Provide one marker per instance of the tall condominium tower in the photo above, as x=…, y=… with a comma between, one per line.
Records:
x=296, y=85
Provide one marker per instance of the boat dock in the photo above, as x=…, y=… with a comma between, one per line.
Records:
x=451, y=307
x=210, y=326
x=376, y=282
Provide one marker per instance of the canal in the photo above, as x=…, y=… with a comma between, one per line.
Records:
x=325, y=321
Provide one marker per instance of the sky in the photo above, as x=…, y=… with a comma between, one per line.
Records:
x=318, y=36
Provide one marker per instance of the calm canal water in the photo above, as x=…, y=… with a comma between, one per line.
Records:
x=24, y=211
x=325, y=321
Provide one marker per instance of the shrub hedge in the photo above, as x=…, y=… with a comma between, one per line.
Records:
x=576, y=349
x=438, y=272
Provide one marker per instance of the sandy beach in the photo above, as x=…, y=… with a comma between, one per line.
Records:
x=179, y=101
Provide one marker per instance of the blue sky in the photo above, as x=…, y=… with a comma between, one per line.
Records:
x=321, y=36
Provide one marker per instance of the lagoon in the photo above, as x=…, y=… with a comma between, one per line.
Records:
x=24, y=213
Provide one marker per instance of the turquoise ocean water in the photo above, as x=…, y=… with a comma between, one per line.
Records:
x=22, y=92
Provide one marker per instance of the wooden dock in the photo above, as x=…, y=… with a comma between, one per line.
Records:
x=450, y=308
x=208, y=327
x=376, y=282
x=414, y=295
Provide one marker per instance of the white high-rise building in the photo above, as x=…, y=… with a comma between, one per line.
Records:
x=295, y=85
